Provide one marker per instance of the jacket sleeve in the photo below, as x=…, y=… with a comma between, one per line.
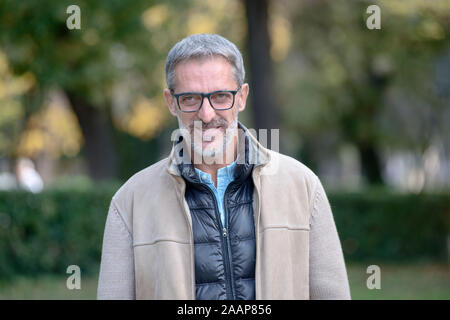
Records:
x=327, y=272
x=116, y=279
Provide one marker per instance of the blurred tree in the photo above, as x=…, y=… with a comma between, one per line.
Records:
x=12, y=111
x=262, y=82
x=112, y=47
x=112, y=69
x=52, y=130
x=347, y=76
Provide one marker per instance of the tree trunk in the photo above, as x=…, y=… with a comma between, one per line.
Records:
x=262, y=86
x=98, y=142
x=370, y=163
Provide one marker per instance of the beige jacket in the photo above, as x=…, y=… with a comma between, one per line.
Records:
x=148, y=250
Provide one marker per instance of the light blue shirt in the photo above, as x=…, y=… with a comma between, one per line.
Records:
x=225, y=175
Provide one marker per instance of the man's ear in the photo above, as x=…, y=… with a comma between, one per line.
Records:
x=171, y=103
x=243, y=94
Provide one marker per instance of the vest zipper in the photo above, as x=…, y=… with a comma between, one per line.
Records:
x=225, y=245
x=227, y=241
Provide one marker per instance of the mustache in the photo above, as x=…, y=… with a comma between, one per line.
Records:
x=212, y=124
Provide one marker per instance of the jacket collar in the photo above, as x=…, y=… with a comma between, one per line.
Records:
x=250, y=154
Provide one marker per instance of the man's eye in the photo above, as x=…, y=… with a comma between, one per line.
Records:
x=187, y=98
x=222, y=95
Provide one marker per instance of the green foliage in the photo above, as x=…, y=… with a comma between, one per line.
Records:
x=36, y=39
x=120, y=43
x=381, y=226
x=116, y=58
x=365, y=87
x=47, y=232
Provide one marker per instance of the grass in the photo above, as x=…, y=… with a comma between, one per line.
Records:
x=397, y=282
x=48, y=287
x=402, y=282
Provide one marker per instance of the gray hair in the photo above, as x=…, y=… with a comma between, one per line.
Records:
x=202, y=46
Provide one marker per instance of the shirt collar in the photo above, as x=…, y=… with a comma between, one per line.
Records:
x=225, y=172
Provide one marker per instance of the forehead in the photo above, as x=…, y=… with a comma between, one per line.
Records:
x=204, y=74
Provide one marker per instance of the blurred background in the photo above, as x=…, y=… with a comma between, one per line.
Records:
x=368, y=111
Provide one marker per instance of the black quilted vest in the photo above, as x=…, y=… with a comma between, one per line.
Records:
x=224, y=255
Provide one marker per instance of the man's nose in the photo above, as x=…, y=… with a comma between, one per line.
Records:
x=206, y=112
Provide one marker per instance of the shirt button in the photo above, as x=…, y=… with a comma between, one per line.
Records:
x=204, y=178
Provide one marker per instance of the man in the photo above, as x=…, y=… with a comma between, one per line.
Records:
x=222, y=217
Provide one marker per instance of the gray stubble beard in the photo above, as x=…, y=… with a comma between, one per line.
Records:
x=209, y=156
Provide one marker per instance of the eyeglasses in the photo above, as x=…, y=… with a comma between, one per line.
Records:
x=193, y=101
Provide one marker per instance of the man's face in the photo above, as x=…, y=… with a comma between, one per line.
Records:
x=207, y=125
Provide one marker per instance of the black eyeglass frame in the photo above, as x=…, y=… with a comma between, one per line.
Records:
x=203, y=95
